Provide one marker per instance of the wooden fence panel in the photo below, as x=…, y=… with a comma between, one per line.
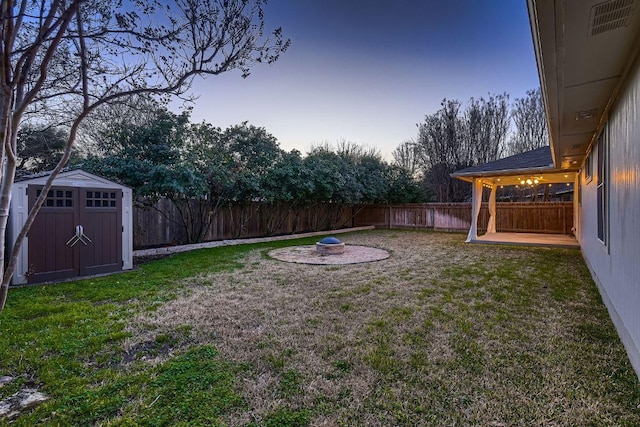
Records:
x=152, y=228
x=452, y=216
x=161, y=224
x=376, y=215
x=411, y=217
x=550, y=217
x=526, y=217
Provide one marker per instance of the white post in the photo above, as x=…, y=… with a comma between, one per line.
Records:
x=491, y=227
x=476, y=203
x=576, y=206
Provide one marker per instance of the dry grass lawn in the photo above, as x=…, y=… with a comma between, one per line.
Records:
x=441, y=333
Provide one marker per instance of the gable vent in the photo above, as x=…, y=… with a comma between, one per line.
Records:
x=610, y=16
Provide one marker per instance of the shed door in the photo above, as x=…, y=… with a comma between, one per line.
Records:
x=101, y=218
x=49, y=256
x=58, y=251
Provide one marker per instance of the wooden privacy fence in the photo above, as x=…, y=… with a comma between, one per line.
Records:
x=525, y=217
x=162, y=224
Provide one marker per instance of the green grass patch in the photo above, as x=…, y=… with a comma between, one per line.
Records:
x=66, y=339
x=195, y=388
x=285, y=417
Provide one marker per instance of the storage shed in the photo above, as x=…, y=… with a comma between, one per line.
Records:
x=83, y=228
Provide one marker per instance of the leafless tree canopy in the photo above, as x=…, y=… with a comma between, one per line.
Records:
x=407, y=156
x=452, y=139
x=530, y=123
x=485, y=127
x=62, y=59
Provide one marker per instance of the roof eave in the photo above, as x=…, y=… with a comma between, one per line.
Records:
x=469, y=176
x=548, y=86
x=579, y=87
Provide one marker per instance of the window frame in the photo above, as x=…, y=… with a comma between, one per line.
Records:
x=602, y=187
x=58, y=198
x=588, y=167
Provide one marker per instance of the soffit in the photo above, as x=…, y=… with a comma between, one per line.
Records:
x=583, y=49
x=516, y=177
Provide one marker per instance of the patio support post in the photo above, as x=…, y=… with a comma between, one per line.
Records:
x=491, y=227
x=576, y=206
x=476, y=203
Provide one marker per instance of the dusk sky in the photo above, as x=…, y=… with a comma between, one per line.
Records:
x=369, y=71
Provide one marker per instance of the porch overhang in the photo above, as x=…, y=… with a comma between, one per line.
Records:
x=520, y=176
x=532, y=169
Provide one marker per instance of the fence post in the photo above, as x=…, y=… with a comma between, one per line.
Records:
x=389, y=217
x=432, y=214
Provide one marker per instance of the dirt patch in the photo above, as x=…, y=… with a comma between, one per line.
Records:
x=353, y=254
x=145, y=259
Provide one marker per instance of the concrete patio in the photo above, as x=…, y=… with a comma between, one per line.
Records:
x=528, y=239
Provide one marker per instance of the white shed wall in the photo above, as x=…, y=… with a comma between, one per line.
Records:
x=616, y=266
x=78, y=178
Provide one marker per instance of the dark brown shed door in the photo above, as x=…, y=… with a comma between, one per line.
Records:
x=78, y=232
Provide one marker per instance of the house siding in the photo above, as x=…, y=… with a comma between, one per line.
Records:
x=616, y=265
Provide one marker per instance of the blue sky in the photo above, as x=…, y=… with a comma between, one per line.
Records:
x=369, y=71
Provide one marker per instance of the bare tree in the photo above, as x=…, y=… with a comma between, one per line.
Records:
x=485, y=126
x=439, y=135
x=441, y=151
x=353, y=150
x=67, y=58
x=450, y=140
x=407, y=156
x=531, y=125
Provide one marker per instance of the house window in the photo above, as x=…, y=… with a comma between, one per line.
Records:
x=601, y=186
x=579, y=192
x=588, y=168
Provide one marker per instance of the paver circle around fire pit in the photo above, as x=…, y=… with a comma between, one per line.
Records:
x=307, y=255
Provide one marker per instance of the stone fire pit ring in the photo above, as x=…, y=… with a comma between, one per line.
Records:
x=353, y=254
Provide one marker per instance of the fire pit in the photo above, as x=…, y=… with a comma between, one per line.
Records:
x=330, y=246
x=329, y=252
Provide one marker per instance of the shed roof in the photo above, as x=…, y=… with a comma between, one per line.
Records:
x=72, y=178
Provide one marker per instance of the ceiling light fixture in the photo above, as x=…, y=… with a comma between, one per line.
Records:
x=529, y=181
x=586, y=114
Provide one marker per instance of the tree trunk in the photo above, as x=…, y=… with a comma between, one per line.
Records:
x=5, y=203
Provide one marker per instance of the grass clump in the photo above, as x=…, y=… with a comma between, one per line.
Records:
x=195, y=388
x=285, y=417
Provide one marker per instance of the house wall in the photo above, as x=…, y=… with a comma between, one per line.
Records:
x=616, y=265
